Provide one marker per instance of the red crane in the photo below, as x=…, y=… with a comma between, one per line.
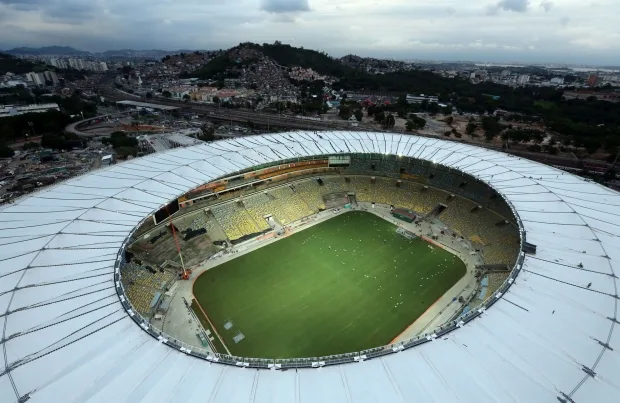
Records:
x=186, y=273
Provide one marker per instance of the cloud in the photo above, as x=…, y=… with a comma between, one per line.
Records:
x=55, y=10
x=417, y=29
x=517, y=6
x=285, y=18
x=70, y=11
x=284, y=6
x=21, y=5
x=546, y=5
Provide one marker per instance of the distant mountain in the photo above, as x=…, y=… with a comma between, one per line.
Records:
x=146, y=53
x=108, y=54
x=48, y=51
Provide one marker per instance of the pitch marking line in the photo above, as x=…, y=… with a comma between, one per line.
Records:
x=420, y=317
x=210, y=323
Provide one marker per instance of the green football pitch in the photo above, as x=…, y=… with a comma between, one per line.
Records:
x=347, y=284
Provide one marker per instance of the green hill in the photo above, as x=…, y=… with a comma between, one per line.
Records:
x=290, y=56
x=285, y=55
x=12, y=64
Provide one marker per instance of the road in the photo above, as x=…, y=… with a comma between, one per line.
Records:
x=267, y=119
x=73, y=128
x=271, y=120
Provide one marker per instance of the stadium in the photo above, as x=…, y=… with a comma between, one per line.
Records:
x=300, y=266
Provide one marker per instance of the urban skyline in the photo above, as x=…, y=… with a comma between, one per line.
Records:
x=505, y=31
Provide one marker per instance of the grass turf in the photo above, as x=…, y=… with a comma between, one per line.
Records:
x=347, y=284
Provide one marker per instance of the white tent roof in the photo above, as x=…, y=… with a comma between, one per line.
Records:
x=67, y=338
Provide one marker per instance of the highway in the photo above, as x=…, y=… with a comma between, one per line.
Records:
x=242, y=116
x=73, y=127
x=271, y=120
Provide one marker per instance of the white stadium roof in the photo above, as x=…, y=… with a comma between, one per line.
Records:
x=66, y=337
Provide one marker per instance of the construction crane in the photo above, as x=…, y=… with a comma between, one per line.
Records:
x=186, y=273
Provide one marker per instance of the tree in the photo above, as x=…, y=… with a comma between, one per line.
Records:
x=344, y=112
x=371, y=110
x=358, y=115
x=379, y=117
x=186, y=97
x=149, y=95
x=120, y=140
x=447, y=110
x=5, y=151
x=610, y=174
x=491, y=127
x=415, y=123
x=208, y=133
x=449, y=120
x=433, y=108
x=216, y=99
x=124, y=152
x=389, y=122
x=471, y=127
x=167, y=94
x=7, y=132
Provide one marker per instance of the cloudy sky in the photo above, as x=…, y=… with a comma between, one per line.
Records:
x=563, y=31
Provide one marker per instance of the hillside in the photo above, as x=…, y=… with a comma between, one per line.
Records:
x=14, y=65
x=285, y=55
x=290, y=56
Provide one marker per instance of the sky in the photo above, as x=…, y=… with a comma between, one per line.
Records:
x=503, y=31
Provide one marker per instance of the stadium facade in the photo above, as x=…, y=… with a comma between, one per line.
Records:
x=69, y=334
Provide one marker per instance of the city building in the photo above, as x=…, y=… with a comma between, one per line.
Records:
x=51, y=76
x=608, y=96
x=415, y=99
x=180, y=91
x=592, y=80
x=557, y=81
x=14, y=110
x=523, y=79
x=12, y=83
